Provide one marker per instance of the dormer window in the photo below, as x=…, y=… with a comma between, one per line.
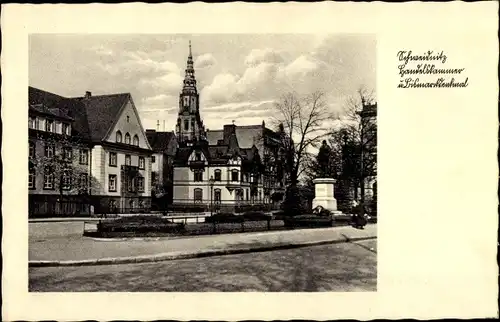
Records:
x=118, y=137
x=65, y=129
x=136, y=140
x=197, y=156
x=127, y=138
x=49, y=126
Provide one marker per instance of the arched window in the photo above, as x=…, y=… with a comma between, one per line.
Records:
x=136, y=140
x=118, y=137
x=235, y=175
x=217, y=175
x=198, y=195
x=217, y=195
x=127, y=138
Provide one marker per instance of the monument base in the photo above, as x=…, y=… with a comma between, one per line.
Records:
x=324, y=195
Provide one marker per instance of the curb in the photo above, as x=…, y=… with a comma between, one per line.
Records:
x=192, y=254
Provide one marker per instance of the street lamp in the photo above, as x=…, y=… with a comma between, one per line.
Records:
x=211, y=182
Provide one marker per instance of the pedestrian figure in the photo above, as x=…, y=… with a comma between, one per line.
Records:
x=359, y=218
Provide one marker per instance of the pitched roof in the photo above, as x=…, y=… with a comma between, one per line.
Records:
x=159, y=141
x=102, y=111
x=47, y=103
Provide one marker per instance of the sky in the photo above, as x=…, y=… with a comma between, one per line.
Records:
x=239, y=76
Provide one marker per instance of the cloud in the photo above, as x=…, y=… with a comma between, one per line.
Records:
x=222, y=89
x=258, y=56
x=300, y=66
x=205, y=61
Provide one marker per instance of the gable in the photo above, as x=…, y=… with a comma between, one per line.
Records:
x=128, y=121
x=193, y=156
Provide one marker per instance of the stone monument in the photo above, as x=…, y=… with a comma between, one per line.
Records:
x=323, y=195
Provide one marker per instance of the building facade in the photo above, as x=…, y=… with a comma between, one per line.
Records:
x=234, y=169
x=113, y=153
x=164, y=145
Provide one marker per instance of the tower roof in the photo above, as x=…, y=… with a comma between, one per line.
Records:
x=189, y=79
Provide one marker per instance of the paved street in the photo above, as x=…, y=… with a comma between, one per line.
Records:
x=337, y=267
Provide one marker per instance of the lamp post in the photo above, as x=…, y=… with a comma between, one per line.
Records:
x=211, y=182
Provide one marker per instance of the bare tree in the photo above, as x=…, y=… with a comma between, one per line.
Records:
x=302, y=126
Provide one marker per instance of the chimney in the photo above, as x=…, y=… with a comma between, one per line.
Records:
x=88, y=94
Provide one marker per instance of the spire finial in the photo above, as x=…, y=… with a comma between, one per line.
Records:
x=190, y=54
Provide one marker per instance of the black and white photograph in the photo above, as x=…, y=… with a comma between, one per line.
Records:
x=202, y=162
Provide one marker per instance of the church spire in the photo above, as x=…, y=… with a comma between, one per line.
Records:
x=189, y=79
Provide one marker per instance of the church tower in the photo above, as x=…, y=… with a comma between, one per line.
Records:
x=189, y=126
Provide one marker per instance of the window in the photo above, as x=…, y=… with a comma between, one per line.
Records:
x=246, y=193
x=141, y=204
x=128, y=119
x=197, y=156
x=118, y=137
x=140, y=184
x=112, y=205
x=198, y=195
x=260, y=195
x=198, y=176
x=48, y=179
x=192, y=125
x=186, y=125
x=31, y=123
x=245, y=177
x=127, y=138
x=141, y=162
x=153, y=159
x=32, y=149
x=130, y=184
x=65, y=129
x=31, y=178
x=112, y=182
x=136, y=140
x=83, y=181
x=186, y=101
x=67, y=153
x=66, y=180
x=154, y=178
x=217, y=174
x=49, y=150
x=234, y=175
x=49, y=126
x=217, y=195
x=112, y=159
x=131, y=204
x=128, y=160
x=37, y=123
x=84, y=156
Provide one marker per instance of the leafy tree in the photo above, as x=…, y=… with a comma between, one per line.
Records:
x=358, y=137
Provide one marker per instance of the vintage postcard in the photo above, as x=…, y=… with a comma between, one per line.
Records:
x=250, y=161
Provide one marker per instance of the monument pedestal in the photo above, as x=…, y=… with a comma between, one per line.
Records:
x=323, y=195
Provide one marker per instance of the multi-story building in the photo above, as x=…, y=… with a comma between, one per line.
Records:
x=228, y=169
x=164, y=145
x=113, y=151
x=59, y=166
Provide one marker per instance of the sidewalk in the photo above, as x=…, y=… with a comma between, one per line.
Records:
x=76, y=250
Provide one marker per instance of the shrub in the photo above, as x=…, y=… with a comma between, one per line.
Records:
x=255, y=216
x=224, y=217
